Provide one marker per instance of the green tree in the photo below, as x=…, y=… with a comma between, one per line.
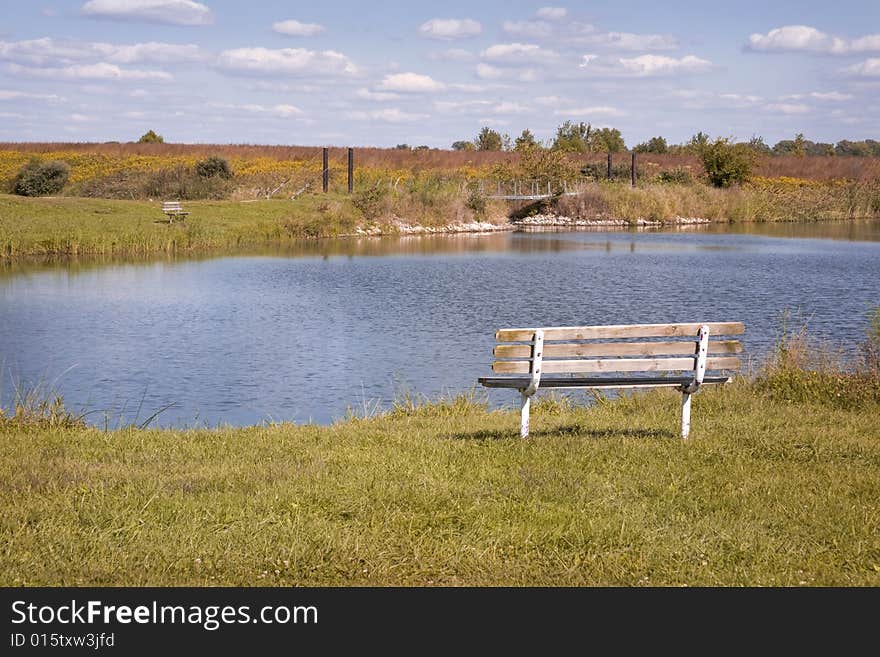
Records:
x=546, y=165
x=758, y=146
x=463, y=146
x=150, y=137
x=799, y=145
x=38, y=178
x=573, y=137
x=653, y=145
x=606, y=140
x=856, y=148
x=526, y=141
x=726, y=163
x=489, y=140
x=697, y=143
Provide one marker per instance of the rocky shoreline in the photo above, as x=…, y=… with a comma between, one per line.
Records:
x=399, y=227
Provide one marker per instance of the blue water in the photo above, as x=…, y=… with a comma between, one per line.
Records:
x=309, y=333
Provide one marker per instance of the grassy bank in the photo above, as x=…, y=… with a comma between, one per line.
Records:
x=778, y=486
x=77, y=226
x=84, y=226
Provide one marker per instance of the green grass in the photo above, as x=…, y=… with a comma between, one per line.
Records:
x=78, y=226
x=766, y=492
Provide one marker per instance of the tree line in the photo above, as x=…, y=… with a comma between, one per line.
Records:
x=582, y=137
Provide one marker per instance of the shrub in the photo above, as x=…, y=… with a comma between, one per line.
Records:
x=37, y=178
x=676, y=176
x=185, y=184
x=214, y=167
x=371, y=202
x=599, y=171
x=476, y=202
x=151, y=137
x=726, y=163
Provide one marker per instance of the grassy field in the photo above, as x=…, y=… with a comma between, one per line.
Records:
x=777, y=487
x=86, y=226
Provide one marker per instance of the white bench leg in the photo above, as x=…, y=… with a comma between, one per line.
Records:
x=524, y=416
x=685, y=415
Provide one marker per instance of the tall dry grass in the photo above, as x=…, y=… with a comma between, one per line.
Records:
x=810, y=167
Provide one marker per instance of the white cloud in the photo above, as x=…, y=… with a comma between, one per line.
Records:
x=285, y=61
x=12, y=94
x=552, y=13
x=174, y=12
x=278, y=111
x=80, y=118
x=788, y=108
x=468, y=87
x=740, y=100
x=649, y=65
x=99, y=71
x=833, y=96
x=366, y=94
x=598, y=110
x=281, y=111
x=448, y=29
x=48, y=51
x=295, y=28
x=391, y=115
x=644, y=65
x=411, y=83
x=631, y=41
x=803, y=38
x=536, y=29
x=870, y=68
x=518, y=53
x=510, y=108
x=151, y=53
x=487, y=72
x=461, y=106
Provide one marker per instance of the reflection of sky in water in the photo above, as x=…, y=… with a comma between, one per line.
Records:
x=245, y=339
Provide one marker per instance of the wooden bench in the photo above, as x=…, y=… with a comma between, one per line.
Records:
x=173, y=210
x=594, y=356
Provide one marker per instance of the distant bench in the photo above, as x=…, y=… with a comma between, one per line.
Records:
x=527, y=355
x=173, y=210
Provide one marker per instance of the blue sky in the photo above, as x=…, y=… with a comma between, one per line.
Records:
x=387, y=72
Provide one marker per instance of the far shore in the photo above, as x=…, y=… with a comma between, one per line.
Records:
x=67, y=225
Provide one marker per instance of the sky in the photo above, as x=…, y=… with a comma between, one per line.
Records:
x=382, y=73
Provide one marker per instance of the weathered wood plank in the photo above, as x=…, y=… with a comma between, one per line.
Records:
x=519, y=382
x=614, y=365
x=620, y=331
x=563, y=350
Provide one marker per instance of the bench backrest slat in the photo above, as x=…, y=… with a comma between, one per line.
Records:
x=171, y=205
x=615, y=365
x=620, y=331
x=564, y=349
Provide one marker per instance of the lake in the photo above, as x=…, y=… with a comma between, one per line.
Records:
x=307, y=333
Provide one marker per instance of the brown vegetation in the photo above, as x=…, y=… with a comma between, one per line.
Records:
x=809, y=167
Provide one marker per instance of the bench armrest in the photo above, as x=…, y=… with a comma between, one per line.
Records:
x=535, y=367
x=700, y=364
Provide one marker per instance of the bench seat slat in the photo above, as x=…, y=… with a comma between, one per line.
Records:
x=562, y=350
x=520, y=382
x=620, y=331
x=614, y=365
